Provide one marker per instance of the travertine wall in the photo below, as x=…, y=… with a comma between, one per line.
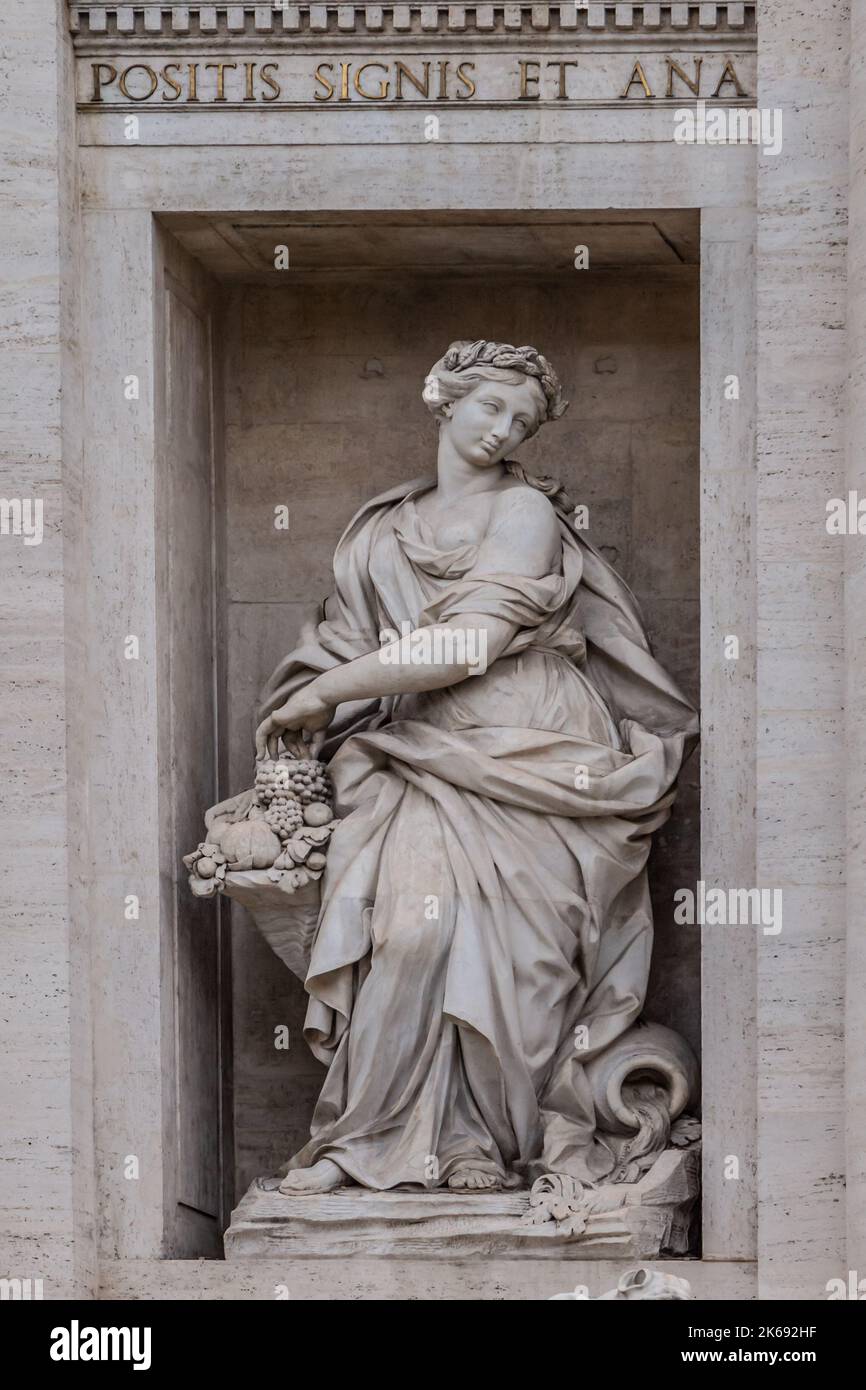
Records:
x=312, y=424
x=802, y=367
x=855, y=653
x=47, y=1217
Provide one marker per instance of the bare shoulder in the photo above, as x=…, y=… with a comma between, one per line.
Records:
x=523, y=532
x=520, y=507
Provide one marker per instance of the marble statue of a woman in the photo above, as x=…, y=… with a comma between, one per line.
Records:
x=485, y=927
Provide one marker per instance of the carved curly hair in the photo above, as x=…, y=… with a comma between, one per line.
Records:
x=465, y=363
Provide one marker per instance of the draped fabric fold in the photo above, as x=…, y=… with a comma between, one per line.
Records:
x=485, y=926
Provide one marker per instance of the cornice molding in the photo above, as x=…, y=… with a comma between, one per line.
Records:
x=101, y=20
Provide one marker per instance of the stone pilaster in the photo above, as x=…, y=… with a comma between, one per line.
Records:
x=801, y=760
x=855, y=653
x=47, y=1169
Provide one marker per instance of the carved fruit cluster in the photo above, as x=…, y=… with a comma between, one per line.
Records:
x=300, y=779
x=294, y=792
x=284, y=816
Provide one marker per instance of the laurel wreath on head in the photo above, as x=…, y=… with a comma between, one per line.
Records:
x=463, y=355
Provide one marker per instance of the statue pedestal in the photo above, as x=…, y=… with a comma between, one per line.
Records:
x=652, y=1219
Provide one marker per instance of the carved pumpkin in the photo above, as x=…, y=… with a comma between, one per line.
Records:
x=250, y=844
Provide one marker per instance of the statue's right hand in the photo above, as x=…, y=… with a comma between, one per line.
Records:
x=306, y=716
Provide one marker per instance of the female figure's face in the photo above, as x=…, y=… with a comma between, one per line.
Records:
x=488, y=423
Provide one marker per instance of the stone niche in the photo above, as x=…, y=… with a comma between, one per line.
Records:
x=316, y=375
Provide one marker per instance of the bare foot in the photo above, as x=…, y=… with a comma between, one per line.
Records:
x=471, y=1180
x=323, y=1176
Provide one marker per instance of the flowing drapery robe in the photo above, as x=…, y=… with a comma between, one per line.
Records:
x=485, y=926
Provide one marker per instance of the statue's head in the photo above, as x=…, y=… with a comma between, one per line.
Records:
x=491, y=397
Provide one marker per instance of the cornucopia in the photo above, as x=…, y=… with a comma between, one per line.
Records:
x=269, y=842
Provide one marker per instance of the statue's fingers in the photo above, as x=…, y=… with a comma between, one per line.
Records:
x=262, y=739
x=274, y=746
x=316, y=742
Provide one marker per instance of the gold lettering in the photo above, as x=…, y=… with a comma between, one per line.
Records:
x=344, y=81
x=270, y=82
x=561, y=94
x=175, y=86
x=383, y=86
x=193, y=82
x=443, y=80
x=221, y=78
x=467, y=81
x=98, y=81
x=526, y=77
x=637, y=75
x=730, y=75
x=403, y=71
x=249, y=94
x=329, y=86
x=138, y=67
x=674, y=68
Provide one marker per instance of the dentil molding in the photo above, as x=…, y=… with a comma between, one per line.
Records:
x=100, y=19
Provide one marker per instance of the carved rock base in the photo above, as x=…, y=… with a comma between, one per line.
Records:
x=654, y=1220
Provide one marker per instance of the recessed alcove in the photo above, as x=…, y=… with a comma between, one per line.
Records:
x=300, y=388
